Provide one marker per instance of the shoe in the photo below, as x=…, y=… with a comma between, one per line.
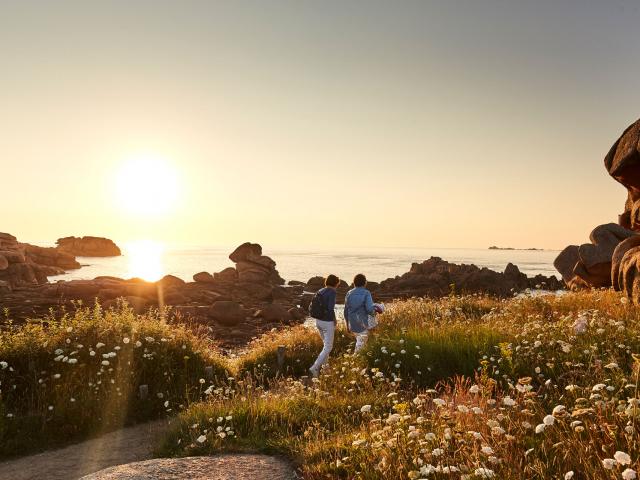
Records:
x=314, y=372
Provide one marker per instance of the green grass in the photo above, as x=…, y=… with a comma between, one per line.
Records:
x=69, y=379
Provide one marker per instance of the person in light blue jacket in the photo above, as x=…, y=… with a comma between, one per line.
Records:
x=358, y=305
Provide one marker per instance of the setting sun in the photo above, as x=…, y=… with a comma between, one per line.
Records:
x=145, y=259
x=147, y=185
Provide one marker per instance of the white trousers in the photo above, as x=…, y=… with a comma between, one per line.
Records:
x=327, y=331
x=361, y=341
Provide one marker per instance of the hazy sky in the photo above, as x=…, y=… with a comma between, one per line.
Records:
x=317, y=123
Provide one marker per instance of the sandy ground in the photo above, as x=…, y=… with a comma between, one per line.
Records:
x=223, y=467
x=135, y=444
x=123, y=446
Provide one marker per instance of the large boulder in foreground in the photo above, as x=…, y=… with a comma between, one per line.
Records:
x=589, y=265
x=88, y=246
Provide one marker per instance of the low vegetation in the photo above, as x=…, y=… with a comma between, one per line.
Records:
x=535, y=387
x=94, y=371
x=466, y=387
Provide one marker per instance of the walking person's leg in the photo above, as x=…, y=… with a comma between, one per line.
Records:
x=327, y=332
x=361, y=341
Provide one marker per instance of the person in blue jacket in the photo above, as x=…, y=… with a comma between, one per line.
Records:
x=358, y=305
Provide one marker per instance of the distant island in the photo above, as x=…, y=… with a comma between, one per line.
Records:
x=493, y=247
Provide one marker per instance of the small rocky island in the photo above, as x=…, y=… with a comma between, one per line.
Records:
x=88, y=247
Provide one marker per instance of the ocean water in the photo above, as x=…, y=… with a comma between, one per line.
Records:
x=151, y=261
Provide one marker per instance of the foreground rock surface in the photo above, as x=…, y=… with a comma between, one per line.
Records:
x=223, y=467
x=88, y=246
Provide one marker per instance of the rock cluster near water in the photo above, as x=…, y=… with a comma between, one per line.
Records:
x=88, y=247
x=22, y=264
x=613, y=256
x=436, y=278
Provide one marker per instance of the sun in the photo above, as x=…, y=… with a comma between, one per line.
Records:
x=147, y=185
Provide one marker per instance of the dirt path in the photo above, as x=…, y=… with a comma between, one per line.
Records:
x=124, y=451
x=123, y=446
x=222, y=467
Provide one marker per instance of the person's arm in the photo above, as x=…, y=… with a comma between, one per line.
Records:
x=368, y=304
x=331, y=305
x=346, y=312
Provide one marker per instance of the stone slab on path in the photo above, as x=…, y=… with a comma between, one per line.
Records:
x=222, y=467
x=130, y=444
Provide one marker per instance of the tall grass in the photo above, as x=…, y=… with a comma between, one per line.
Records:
x=64, y=380
x=534, y=388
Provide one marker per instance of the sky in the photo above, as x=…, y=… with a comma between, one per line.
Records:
x=315, y=123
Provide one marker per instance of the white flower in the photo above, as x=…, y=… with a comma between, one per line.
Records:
x=358, y=443
x=484, y=473
x=474, y=389
x=436, y=452
x=487, y=450
x=548, y=420
x=629, y=474
x=558, y=410
x=105, y=362
x=126, y=340
x=622, y=458
x=138, y=343
x=56, y=376
x=99, y=345
x=202, y=381
x=202, y=439
x=540, y=428
x=72, y=360
x=439, y=402
x=611, y=366
x=609, y=463
x=568, y=475
x=365, y=408
x=508, y=401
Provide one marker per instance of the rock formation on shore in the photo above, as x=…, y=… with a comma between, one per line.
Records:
x=613, y=256
x=436, y=278
x=88, y=246
x=239, y=302
x=22, y=264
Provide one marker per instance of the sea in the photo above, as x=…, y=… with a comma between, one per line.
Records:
x=151, y=261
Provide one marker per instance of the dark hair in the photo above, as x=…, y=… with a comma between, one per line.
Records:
x=360, y=280
x=331, y=281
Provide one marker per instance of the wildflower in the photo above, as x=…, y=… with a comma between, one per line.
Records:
x=202, y=439
x=568, y=475
x=439, y=402
x=548, y=420
x=474, y=389
x=138, y=343
x=99, y=345
x=436, y=452
x=105, y=362
x=487, y=450
x=508, y=401
x=558, y=410
x=202, y=381
x=56, y=376
x=72, y=360
x=609, y=463
x=622, y=458
x=126, y=340
x=629, y=474
x=365, y=408
x=540, y=428
x=484, y=473
x=358, y=443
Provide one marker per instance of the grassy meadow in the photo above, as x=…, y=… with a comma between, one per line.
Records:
x=465, y=387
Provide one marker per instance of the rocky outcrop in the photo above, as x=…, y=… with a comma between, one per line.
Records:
x=22, y=264
x=436, y=278
x=233, y=308
x=613, y=256
x=590, y=264
x=88, y=246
